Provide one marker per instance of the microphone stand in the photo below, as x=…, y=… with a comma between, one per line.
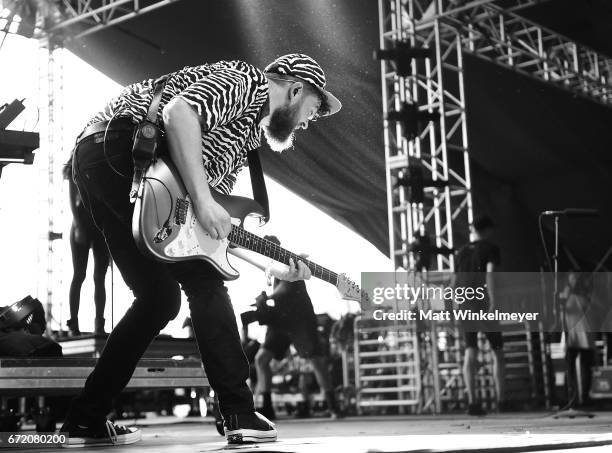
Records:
x=567, y=411
x=556, y=273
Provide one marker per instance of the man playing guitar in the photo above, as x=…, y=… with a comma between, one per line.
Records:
x=212, y=115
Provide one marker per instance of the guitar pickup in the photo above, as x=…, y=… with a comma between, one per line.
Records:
x=180, y=212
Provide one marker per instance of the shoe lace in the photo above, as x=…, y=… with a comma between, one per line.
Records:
x=111, y=431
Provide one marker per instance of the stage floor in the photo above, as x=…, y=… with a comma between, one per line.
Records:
x=535, y=432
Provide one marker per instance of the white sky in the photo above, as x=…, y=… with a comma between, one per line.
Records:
x=300, y=226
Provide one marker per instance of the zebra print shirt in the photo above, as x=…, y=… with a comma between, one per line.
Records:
x=228, y=97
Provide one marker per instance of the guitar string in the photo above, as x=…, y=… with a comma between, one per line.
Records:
x=277, y=249
x=282, y=253
x=258, y=244
x=247, y=235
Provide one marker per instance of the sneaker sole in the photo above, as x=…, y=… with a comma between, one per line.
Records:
x=242, y=436
x=124, y=439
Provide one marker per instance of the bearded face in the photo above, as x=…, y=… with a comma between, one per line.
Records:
x=280, y=132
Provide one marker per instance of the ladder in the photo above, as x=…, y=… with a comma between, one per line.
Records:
x=387, y=367
x=526, y=365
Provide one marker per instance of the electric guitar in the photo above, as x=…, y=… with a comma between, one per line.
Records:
x=164, y=227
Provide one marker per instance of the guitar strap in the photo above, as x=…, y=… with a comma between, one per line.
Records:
x=258, y=183
x=146, y=139
x=158, y=88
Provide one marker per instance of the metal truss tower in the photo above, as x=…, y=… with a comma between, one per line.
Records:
x=423, y=44
x=438, y=147
x=433, y=88
x=58, y=21
x=79, y=18
x=50, y=209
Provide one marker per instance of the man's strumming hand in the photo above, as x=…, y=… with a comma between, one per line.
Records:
x=214, y=219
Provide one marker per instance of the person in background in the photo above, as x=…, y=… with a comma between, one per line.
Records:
x=475, y=264
x=84, y=235
x=580, y=341
x=290, y=321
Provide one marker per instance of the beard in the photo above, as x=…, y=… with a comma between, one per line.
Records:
x=280, y=133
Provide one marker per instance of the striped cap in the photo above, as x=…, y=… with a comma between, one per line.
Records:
x=306, y=68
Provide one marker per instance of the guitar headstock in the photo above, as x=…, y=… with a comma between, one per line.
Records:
x=350, y=290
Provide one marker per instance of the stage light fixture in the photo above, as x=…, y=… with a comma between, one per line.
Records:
x=8, y=112
x=54, y=236
x=414, y=180
x=402, y=56
x=19, y=18
x=413, y=120
x=424, y=250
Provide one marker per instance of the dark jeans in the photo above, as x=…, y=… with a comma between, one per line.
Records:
x=103, y=176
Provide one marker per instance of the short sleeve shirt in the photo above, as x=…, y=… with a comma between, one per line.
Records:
x=228, y=96
x=471, y=263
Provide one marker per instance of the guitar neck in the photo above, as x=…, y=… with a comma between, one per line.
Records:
x=249, y=241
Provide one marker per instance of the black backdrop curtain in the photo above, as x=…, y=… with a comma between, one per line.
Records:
x=533, y=147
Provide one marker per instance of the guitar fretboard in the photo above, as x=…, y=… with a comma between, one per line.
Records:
x=249, y=241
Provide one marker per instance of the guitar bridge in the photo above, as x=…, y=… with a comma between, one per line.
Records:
x=180, y=212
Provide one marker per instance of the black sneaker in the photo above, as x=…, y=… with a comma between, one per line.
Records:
x=107, y=434
x=99, y=326
x=268, y=412
x=247, y=428
x=476, y=410
x=73, y=328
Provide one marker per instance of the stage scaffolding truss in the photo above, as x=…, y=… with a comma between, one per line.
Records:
x=53, y=23
x=422, y=48
x=89, y=16
x=436, y=146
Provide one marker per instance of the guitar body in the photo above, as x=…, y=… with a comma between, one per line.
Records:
x=164, y=225
x=165, y=228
